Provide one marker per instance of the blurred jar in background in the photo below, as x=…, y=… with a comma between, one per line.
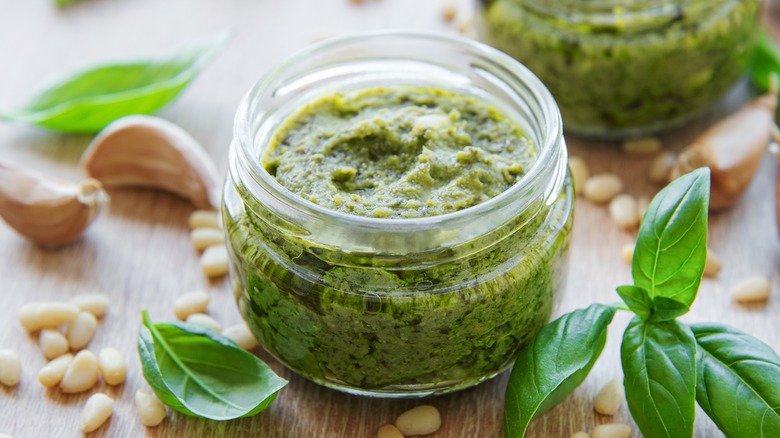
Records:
x=620, y=68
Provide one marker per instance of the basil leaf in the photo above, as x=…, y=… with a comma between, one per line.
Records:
x=739, y=381
x=657, y=309
x=201, y=373
x=765, y=62
x=637, y=300
x=553, y=364
x=659, y=365
x=671, y=246
x=667, y=309
x=89, y=100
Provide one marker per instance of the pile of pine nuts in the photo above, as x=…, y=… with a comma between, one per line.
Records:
x=79, y=372
x=72, y=373
x=422, y=420
x=207, y=236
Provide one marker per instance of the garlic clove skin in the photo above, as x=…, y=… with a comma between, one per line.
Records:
x=146, y=151
x=732, y=149
x=48, y=212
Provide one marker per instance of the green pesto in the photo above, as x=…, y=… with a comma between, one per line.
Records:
x=399, y=152
x=636, y=71
x=398, y=324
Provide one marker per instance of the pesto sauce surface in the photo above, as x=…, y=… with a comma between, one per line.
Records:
x=398, y=152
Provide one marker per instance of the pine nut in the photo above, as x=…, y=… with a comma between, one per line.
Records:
x=81, y=374
x=713, y=265
x=53, y=343
x=112, y=366
x=602, y=188
x=97, y=410
x=51, y=374
x=752, y=289
x=96, y=304
x=466, y=26
x=203, y=238
x=609, y=399
x=205, y=321
x=579, y=172
x=628, y=252
x=81, y=330
x=615, y=430
x=53, y=314
x=421, y=420
x=661, y=167
x=389, y=431
x=189, y=303
x=241, y=335
x=622, y=210
x=151, y=411
x=35, y=316
x=28, y=317
x=214, y=261
x=10, y=368
x=648, y=145
x=448, y=12
x=204, y=219
x=580, y=435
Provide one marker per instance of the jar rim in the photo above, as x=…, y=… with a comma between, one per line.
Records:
x=551, y=149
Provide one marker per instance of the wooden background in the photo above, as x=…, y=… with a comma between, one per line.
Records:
x=139, y=252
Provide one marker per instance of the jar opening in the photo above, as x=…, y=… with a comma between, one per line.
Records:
x=401, y=58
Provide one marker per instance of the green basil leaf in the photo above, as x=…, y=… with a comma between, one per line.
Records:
x=152, y=372
x=201, y=373
x=659, y=365
x=553, y=364
x=739, y=382
x=89, y=100
x=765, y=62
x=667, y=309
x=671, y=246
x=637, y=299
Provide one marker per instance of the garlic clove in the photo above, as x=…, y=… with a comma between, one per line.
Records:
x=145, y=151
x=46, y=211
x=732, y=149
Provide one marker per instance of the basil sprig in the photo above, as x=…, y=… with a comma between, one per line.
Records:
x=87, y=101
x=201, y=373
x=668, y=366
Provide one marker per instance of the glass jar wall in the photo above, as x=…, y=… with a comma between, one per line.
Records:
x=627, y=67
x=397, y=307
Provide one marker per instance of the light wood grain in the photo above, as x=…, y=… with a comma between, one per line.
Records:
x=140, y=255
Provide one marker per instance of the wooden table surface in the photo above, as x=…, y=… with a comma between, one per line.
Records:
x=139, y=253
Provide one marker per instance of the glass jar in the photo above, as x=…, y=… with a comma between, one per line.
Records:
x=397, y=307
x=627, y=67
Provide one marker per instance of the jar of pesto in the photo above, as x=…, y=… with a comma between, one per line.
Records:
x=627, y=67
x=398, y=212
